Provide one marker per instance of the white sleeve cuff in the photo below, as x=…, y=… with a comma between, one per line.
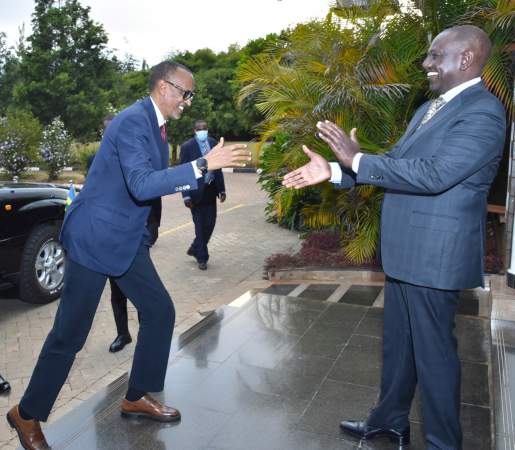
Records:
x=336, y=173
x=355, y=162
x=198, y=173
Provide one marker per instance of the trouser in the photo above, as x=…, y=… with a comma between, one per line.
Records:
x=119, y=305
x=81, y=294
x=419, y=346
x=204, y=218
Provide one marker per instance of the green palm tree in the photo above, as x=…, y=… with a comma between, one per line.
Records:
x=324, y=71
x=367, y=76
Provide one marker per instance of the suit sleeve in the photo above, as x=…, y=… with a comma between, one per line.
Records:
x=348, y=179
x=473, y=142
x=184, y=158
x=142, y=180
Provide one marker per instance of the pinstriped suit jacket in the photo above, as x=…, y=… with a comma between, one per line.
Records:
x=437, y=180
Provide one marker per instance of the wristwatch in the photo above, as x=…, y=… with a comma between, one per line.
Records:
x=202, y=165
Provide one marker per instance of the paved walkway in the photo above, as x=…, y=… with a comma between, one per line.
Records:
x=279, y=373
x=241, y=241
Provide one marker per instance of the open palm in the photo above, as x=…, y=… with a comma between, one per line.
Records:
x=316, y=171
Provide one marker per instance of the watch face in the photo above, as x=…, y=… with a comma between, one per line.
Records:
x=202, y=164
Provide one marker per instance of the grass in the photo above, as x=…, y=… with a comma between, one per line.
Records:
x=251, y=145
x=42, y=177
x=81, y=152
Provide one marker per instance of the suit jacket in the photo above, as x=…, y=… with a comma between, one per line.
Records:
x=104, y=225
x=190, y=151
x=437, y=180
x=154, y=217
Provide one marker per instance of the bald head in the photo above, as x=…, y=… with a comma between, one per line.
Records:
x=456, y=55
x=473, y=39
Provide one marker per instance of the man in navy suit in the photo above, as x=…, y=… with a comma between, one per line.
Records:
x=436, y=181
x=202, y=202
x=105, y=235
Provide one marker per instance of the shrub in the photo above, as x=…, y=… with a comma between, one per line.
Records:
x=84, y=153
x=329, y=242
x=55, y=147
x=20, y=133
x=280, y=261
x=319, y=249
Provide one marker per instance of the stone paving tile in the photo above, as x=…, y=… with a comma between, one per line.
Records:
x=242, y=240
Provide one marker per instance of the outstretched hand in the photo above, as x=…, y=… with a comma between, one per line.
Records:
x=229, y=156
x=315, y=171
x=343, y=146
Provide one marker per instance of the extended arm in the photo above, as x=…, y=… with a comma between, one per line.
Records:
x=142, y=180
x=474, y=142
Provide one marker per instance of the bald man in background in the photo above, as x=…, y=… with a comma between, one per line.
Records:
x=436, y=180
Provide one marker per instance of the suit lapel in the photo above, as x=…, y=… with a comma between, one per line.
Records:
x=416, y=133
x=447, y=111
x=164, y=151
x=417, y=118
x=198, y=151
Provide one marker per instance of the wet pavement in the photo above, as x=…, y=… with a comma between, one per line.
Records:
x=241, y=241
x=278, y=372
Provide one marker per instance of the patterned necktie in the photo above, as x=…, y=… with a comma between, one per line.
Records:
x=434, y=107
x=163, y=132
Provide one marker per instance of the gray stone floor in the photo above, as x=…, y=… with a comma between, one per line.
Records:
x=231, y=373
x=278, y=372
x=241, y=241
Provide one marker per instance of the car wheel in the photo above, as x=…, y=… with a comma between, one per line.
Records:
x=42, y=266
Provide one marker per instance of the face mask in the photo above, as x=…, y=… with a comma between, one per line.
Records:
x=201, y=135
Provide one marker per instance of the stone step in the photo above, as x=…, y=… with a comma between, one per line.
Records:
x=276, y=371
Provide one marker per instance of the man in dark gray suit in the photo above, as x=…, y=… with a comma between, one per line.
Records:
x=436, y=181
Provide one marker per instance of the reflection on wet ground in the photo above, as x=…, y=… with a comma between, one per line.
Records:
x=278, y=373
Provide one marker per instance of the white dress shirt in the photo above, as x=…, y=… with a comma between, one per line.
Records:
x=336, y=171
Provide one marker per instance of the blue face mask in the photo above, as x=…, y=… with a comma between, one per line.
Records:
x=201, y=135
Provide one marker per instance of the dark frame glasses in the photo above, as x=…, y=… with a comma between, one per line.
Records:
x=186, y=95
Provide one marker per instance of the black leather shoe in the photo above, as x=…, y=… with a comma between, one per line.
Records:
x=202, y=265
x=4, y=385
x=190, y=252
x=120, y=342
x=364, y=431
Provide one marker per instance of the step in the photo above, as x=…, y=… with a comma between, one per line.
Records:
x=276, y=371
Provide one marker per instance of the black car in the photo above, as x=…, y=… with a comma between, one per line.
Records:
x=31, y=255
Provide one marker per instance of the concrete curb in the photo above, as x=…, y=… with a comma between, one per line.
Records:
x=310, y=273
x=241, y=170
x=485, y=295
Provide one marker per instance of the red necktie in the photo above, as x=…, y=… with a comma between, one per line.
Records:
x=163, y=132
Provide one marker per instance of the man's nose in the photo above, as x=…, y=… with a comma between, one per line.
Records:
x=425, y=63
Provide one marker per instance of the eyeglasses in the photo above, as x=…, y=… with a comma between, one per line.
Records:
x=186, y=95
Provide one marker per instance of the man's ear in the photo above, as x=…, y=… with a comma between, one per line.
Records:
x=467, y=58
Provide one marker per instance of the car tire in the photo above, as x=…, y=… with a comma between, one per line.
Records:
x=42, y=266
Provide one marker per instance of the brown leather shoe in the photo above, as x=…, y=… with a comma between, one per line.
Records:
x=29, y=431
x=149, y=407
